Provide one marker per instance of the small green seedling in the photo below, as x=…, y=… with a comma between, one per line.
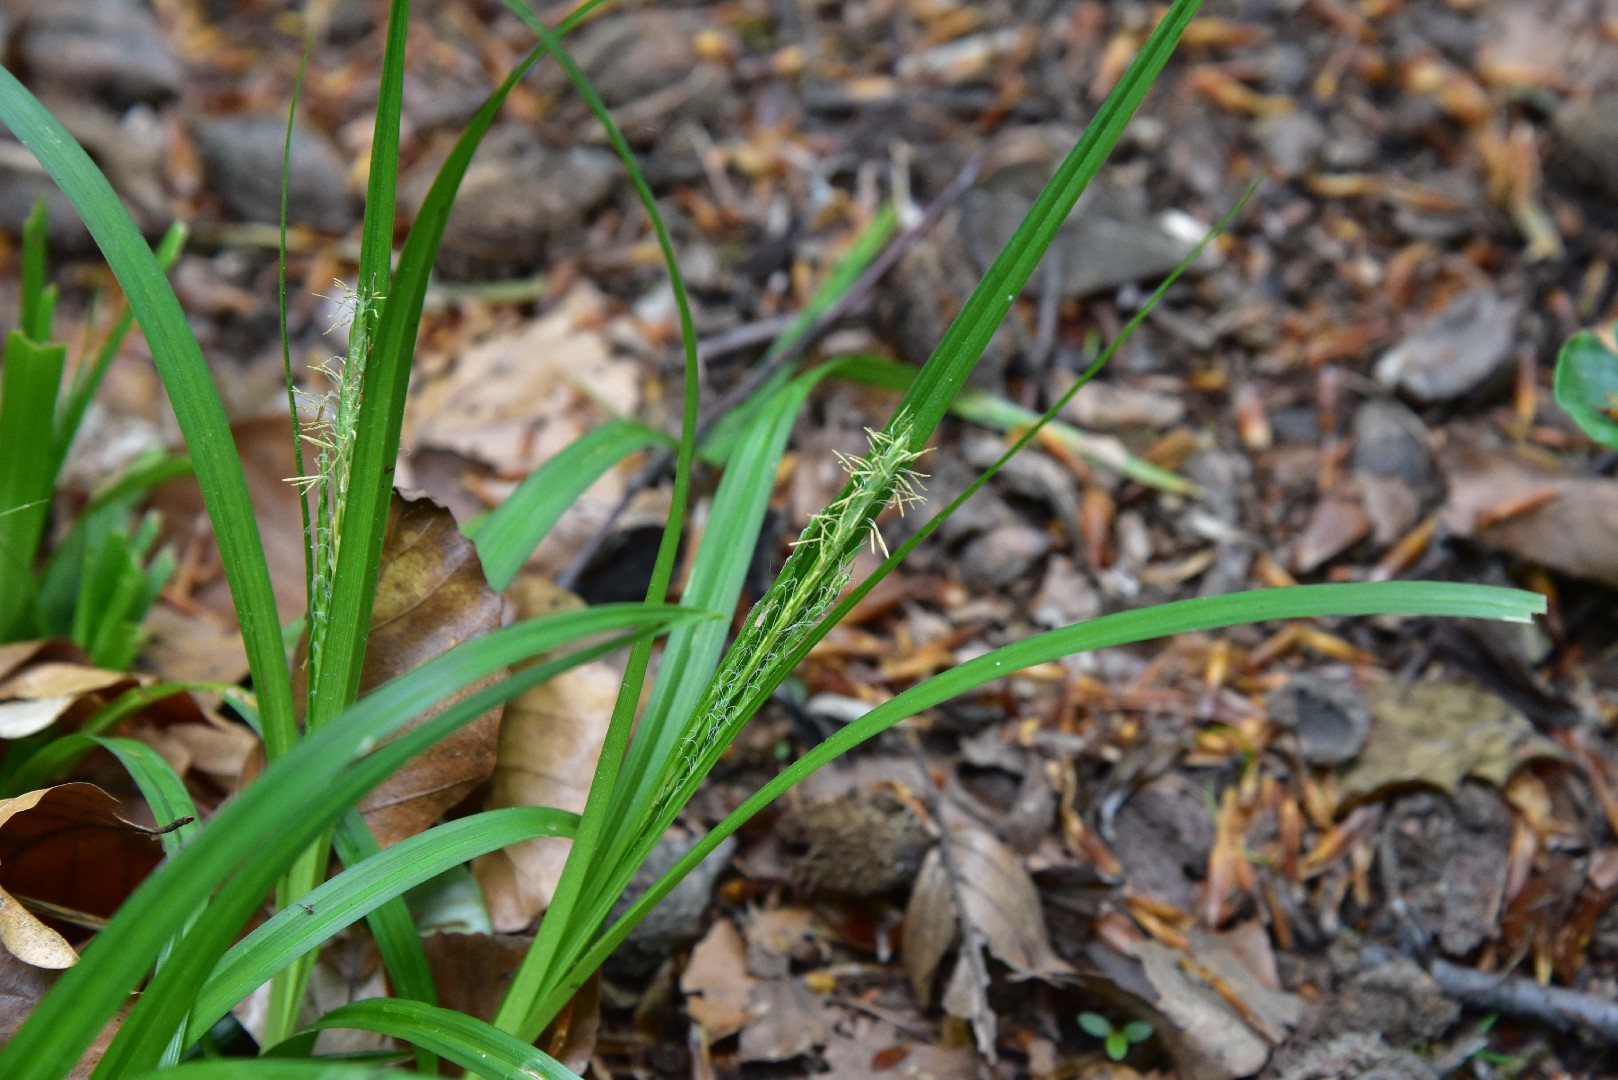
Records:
x=1586, y=386
x=1116, y=1040
x=96, y=583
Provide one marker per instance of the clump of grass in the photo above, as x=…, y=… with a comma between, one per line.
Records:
x=273, y=835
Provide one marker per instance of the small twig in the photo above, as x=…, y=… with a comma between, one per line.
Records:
x=835, y=312
x=1554, y=1006
x=745, y=336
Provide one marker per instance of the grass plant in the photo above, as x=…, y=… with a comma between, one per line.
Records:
x=189, y=913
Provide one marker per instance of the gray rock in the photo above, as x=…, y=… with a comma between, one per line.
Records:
x=1225, y=478
x=1390, y=440
x=242, y=157
x=1003, y=555
x=1292, y=141
x=674, y=923
x=1587, y=138
x=1328, y=716
x=111, y=50
x=520, y=201
x=1462, y=349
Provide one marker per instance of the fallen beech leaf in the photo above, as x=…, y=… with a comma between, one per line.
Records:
x=719, y=988
x=550, y=738
x=21, y=987
x=1002, y=906
x=516, y=398
x=1567, y=523
x=39, y=692
x=1206, y=1037
x=472, y=971
x=68, y=846
x=430, y=597
x=1438, y=734
x=30, y=940
x=1338, y=522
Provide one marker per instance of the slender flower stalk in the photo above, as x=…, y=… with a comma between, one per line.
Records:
x=332, y=429
x=809, y=584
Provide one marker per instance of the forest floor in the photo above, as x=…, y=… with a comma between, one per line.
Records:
x=1343, y=848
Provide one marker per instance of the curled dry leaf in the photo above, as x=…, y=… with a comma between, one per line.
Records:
x=45, y=684
x=718, y=986
x=30, y=940
x=69, y=848
x=1531, y=510
x=1003, y=914
x=430, y=596
x=38, y=693
x=1437, y=734
x=550, y=738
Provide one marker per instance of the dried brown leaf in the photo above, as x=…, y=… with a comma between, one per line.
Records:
x=21, y=987
x=1438, y=734
x=69, y=847
x=39, y=694
x=1531, y=510
x=550, y=738
x=430, y=596
x=999, y=898
x=30, y=940
x=718, y=986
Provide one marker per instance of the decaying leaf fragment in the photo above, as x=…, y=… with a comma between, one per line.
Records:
x=1437, y=734
x=1001, y=910
x=430, y=596
x=68, y=848
x=42, y=682
x=550, y=738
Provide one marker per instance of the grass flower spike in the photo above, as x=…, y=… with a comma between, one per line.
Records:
x=333, y=430
x=809, y=584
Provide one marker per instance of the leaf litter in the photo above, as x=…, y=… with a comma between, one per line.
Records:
x=1357, y=382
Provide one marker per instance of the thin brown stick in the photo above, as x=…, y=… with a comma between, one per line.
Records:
x=1554, y=1006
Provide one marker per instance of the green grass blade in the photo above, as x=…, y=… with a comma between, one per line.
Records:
x=946, y=370
x=980, y=407
x=163, y=1006
x=276, y=1069
x=328, y=696
x=715, y=584
x=167, y=996
x=376, y=233
x=261, y=831
x=391, y=926
x=358, y=890
x=29, y=383
x=38, y=301
x=387, y=375
x=88, y=374
x=508, y=535
x=190, y=389
x=481, y=1049
x=1125, y=628
x=593, y=824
